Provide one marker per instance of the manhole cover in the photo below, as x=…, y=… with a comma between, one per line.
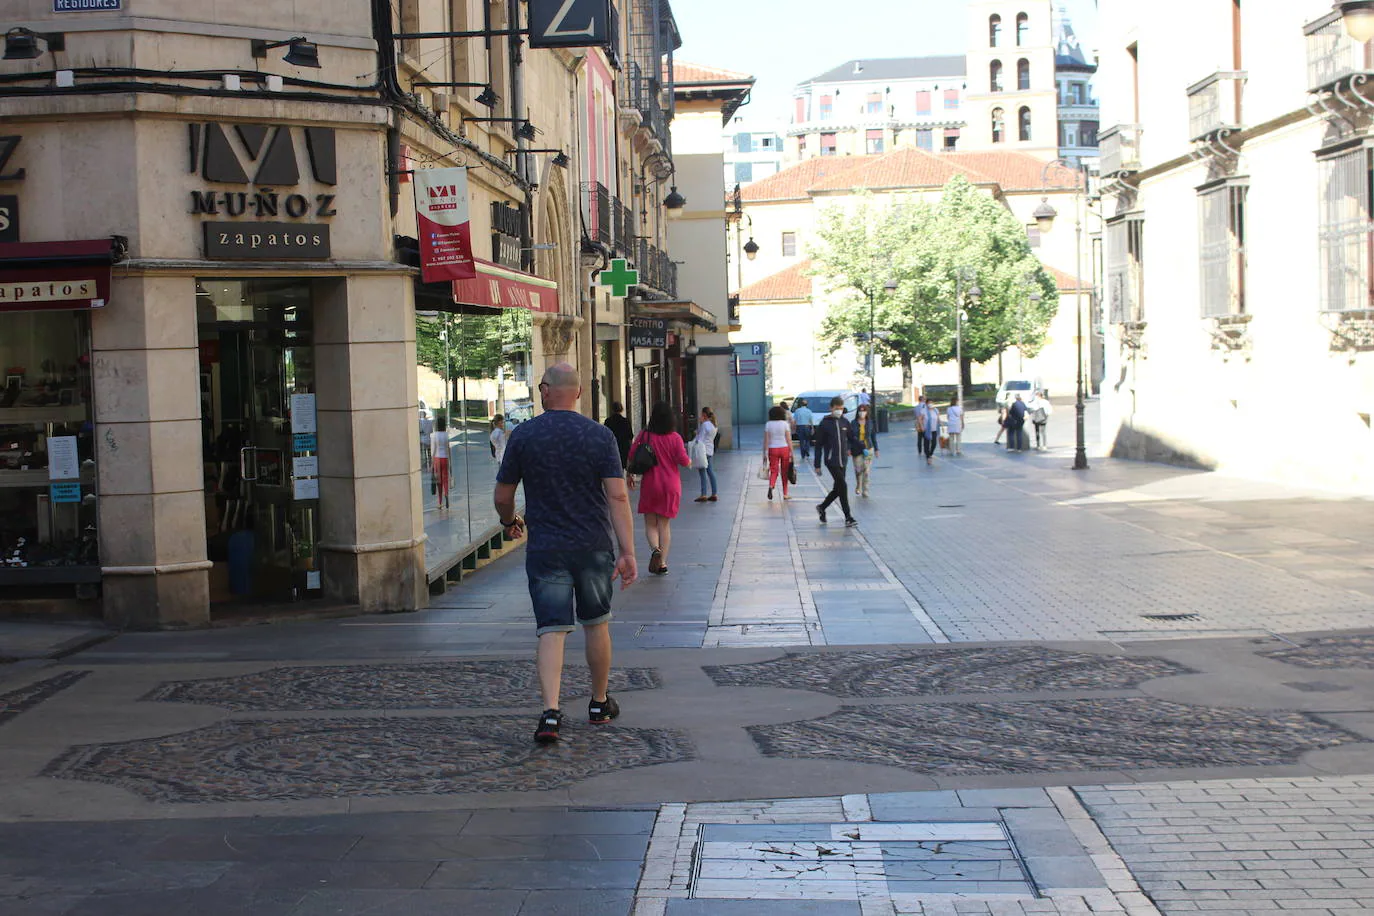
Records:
x=854, y=861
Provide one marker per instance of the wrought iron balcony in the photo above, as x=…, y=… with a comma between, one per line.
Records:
x=624, y=229
x=1214, y=104
x=1119, y=146
x=1333, y=57
x=597, y=210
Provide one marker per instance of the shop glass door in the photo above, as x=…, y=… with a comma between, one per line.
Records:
x=260, y=439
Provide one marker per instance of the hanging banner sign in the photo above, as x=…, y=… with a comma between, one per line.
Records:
x=445, y=228
x=570, y=24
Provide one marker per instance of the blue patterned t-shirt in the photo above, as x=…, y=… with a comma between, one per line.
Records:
x=562, y=458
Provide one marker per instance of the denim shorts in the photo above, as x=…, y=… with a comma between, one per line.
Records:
x=564, y=582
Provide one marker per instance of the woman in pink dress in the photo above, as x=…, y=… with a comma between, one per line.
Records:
x=660, y=490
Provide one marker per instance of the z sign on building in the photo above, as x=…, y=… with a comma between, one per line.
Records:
x=570, y=23
x=441, y=212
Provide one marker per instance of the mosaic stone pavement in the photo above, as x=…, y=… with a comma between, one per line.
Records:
x=1354, y=651
x=431, y=685
x=932, y=672
x=262, y=760
x=15, y=702
x=968, y=739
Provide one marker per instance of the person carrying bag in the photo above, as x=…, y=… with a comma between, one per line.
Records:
x=642, y=457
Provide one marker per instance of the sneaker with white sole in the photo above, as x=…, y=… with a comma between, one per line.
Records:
x=599, y=712
x=546, y=732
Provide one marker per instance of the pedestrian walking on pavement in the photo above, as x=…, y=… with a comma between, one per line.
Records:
x=777, y=450
x=581, y=538
x=1016, y=425
x=426, y=430
x=806, y=422
x=954, y=427
x=498, y=438
x=622, y=430
x=1039, y=408
x=865, y=431
x=438, y=448
x=1001, y=424
x=835, y=445
x=928, y=422
x=660, y=489
x=706, y=441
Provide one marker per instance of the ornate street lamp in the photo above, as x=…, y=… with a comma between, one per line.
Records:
x=1044, y=217
x=1358, y=16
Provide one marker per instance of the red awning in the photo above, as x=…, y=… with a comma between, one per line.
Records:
x=41, y=276
x=505, y=288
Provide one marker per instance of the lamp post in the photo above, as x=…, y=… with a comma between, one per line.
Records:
x=1044, y=217
x=1358, y=17
x=964, y=275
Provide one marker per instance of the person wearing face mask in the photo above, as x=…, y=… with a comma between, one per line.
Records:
x=867, y=436
x=835, y=444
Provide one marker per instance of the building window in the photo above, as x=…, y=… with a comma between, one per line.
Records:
x=1078, y=93
x=874, y=105
x=994, y=31
x=744, y=172
x=951, y=100
x=1025, y=125
x=995, y=76
x=1222, y=258
x=1068, y=135
x=799, y=116
x=1023, y=75
x=827, y=144
x=1126, y=268
x=999, y=125
x=951, y=139
x=801, y=147
x=744, y=143
x=766, y=143
x=873, y=142
x=827, y=107
x=923, y=104
x=1345, y=232
x=1022, y=30
x=789, y=244
x=1087, y=133
x=925, y=139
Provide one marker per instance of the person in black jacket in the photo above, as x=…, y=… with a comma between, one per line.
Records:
x=836, y=443
x=624, y=433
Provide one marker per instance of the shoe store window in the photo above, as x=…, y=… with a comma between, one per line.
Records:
x=47, y=454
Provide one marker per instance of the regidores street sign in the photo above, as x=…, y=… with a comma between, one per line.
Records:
x=86, y=6
x=570, y=23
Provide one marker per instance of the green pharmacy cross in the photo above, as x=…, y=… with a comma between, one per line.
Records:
x=620, y=278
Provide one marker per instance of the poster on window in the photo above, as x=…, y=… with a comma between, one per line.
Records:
x=442, y=217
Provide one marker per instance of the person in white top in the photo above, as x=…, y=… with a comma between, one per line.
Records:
x=438, y=447
x=498, y=437
x=1039, y=409
x=777, y=450
x=954, y=424
x=706, y=437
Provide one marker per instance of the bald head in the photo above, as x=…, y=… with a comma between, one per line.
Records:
x=561, y=387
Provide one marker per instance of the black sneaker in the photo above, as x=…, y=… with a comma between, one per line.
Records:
x=599, y=712
x=547, y=730
x=820, y=510
x=851, y=523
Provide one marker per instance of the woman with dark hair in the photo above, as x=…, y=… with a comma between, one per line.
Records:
x=438, y=447
x=660, y=492
x=777, y=449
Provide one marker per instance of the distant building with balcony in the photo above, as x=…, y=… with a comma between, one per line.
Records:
x=1239, y=239
x=1022, y=86
x=753, y=152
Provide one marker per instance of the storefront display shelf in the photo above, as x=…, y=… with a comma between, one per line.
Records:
x=70, y=413
x=49, y=575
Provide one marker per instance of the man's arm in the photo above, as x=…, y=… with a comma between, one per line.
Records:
x=505, y=510
x=622, y=519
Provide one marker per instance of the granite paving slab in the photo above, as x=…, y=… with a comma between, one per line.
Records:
x=1355, y=650
x=21, y=699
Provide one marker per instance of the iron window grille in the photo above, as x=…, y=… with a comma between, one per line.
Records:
x=1222, y=258
x=1126, y=268
x=1344, y=233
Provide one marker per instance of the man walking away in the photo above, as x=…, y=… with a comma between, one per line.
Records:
x=1016, y=425
x=624, y=433
x=1040, y=410
x=928, y=422
x=835, y=445
x=806, y=421
x=954, y=423
x=576, y=499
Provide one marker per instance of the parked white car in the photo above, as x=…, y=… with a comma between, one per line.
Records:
x=1026, y=387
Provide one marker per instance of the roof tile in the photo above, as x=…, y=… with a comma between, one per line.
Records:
x=790, y=284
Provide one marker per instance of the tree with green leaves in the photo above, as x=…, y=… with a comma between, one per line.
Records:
x=477, y=345
x=922, y=245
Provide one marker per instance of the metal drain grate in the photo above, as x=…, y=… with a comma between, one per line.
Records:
x=1173, y=618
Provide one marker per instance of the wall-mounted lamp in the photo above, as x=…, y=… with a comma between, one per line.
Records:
x=674, y=203
x=751, y=249
x=302, y=51
x=1045, y=215
x=526, y=130
x=1358, y=16
x=22, y=43
x=487, y=96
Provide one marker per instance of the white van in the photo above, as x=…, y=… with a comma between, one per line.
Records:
x=1026, y=387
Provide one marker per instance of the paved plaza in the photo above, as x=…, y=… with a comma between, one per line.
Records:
x=1013, y=689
